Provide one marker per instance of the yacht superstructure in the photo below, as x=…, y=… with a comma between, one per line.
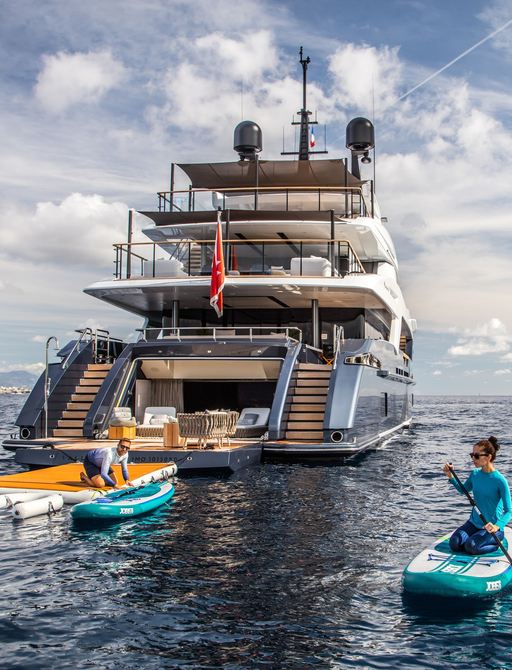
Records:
x=314, y=330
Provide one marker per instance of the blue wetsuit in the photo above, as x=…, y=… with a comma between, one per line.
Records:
x=492, y=496
x=102, y=460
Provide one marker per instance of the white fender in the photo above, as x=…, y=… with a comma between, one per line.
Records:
x=70, y=497
x=46, y=505
x=164, y=473
x=24, y=496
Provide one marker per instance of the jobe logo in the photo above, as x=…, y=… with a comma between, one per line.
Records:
x=494, y=586
x=126, y=510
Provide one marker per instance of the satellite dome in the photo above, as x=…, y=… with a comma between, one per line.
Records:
x=360, y=135
x=248, y=140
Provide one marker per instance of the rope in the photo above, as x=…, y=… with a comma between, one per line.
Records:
x=74, y=460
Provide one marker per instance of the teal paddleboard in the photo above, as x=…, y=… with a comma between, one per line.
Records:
x=437, y=570
x=125, y=503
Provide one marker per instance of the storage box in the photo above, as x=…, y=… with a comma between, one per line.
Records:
x=118, y=432
x=171, y=435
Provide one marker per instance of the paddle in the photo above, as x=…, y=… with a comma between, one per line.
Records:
x=484, y=520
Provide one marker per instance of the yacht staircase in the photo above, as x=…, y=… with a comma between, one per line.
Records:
x=305, y=404
x=195, y=259
x=79, y=400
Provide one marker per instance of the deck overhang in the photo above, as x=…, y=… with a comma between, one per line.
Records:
x=154, y=296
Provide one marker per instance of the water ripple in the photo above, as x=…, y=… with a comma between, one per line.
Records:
x=289, y=567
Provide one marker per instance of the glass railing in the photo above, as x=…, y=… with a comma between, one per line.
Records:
x=344, y=201
x=280, y=258
x=223, y=332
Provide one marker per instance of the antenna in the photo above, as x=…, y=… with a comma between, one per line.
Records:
x=304, y=114
x=373, y=121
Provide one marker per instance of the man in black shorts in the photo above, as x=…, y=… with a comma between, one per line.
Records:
x=98, y=465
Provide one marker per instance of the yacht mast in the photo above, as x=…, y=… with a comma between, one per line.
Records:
x=304, y=113
x=304, y=151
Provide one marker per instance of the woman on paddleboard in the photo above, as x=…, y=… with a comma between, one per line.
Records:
x=492, y=496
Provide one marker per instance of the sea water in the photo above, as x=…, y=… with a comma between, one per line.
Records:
x=280, y=566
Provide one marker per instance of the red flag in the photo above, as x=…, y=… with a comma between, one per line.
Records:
x=218, y=274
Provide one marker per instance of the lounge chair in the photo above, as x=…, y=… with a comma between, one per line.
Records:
x=154, y=420
x=253, y=422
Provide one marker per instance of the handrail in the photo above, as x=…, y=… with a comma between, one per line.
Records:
x=355, y=264
x=352, y=195
x=250, y=189
x=339, y=339
x=95, y=336
x=84, y=331
x=218, y=329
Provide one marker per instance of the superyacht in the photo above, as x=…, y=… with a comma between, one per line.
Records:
x=297, y=345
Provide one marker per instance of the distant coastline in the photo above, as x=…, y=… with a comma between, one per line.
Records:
x=4, y=390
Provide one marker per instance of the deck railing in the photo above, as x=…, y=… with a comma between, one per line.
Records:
x=349, y=202
x=193, y=258
x=222, y=332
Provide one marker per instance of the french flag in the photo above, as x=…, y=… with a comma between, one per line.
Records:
x=312, y=138
x=218, y=271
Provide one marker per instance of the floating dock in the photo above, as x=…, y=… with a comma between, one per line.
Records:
x=65, y=479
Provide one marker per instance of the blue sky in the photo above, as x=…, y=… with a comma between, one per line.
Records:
x=99, y=98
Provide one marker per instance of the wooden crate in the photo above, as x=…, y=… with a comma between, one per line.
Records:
x=118, y=432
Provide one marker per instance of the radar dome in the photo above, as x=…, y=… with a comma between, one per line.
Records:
x=248, y=140
x=360, y=135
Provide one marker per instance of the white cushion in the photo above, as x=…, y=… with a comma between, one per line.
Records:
x=313, y=266
x=158, y=419
x=158, y=411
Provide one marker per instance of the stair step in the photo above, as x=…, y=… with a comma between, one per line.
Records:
x=68, y=432
x=306, y=416
x=304, y=435
x=81, y=396
x=312, y=374
x=73, y=406
x=305, y=425
x=95, y=374
x=87, y=390
x=319, y=399
x=299, y=406
x=312, y=382
x=89, y=382
x=70, y=423
x=99, y=366
x=73, y=414
x=313, y=366
x=310, y=390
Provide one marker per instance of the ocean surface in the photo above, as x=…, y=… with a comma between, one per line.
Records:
x=281, y=566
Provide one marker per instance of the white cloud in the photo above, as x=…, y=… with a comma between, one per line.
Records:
x=80, y=230
x=507, y=357
x=236, y=58
x=489, y=338
x=220, y=80
x=39, y=338
x=504, y=371
x=364, y=74
x=437, y=373
x=71, y=79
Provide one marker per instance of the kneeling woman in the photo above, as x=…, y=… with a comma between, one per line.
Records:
x=492, y=496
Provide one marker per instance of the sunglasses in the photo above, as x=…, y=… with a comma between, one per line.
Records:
x=122, y=446
x=477, y=456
